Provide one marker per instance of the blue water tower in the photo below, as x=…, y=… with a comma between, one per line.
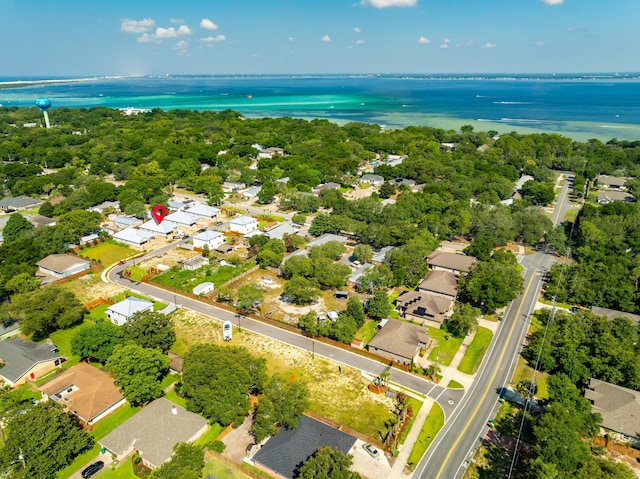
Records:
x=44, y=104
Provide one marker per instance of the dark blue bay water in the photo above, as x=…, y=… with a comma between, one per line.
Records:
x=579, y=106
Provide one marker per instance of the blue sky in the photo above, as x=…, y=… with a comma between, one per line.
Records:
x=133, y=37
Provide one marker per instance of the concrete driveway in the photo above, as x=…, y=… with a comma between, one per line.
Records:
x=367, y=466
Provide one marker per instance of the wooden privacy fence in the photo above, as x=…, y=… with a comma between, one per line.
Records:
x=616, y=447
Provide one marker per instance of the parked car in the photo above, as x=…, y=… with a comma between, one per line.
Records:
x=121, y=261
x=372, y=450
x=185, y=237
x=92, y=469
x=227, y=331
x=219, y=223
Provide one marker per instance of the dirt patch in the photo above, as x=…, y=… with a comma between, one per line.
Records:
x=342, y=397
x=168, y=258
x=90, y=287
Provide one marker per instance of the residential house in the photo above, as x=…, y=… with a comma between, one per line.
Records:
x=355, y=279
x=203, y=211
x=177, y=205
x=165, y=228
x=380, y=256
x=154, y=431
x=252, y=192
x=440, y=282
x=8, y=328
x=120, y=313
x=87, y=392
x=270, y=152
x=619, y=408
x=282, y=455
x=18, y=203
x=404, y=181
x=195, y=263
x=610, y=196
x=373, y=180
x=122, y=222
x=106, y=207
x=204, y=288
x=133, y=237
x=399, y=341
x=284, y=228
x=612, y=182
x=326, y=238
x=326, y=186
x=453, y=262
x=612, y=314
x=231, y=186
x=25, y=360
x=225, y=248
x=212, y=239
x=39, y=221
x=62, y=265
x=425, y=308
x=243, y=224
x=181, y=218
x=88, y=238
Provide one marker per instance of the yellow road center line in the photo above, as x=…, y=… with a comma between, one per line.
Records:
x=489, y=386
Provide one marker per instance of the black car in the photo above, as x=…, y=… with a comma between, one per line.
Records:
x=91, y=469
x=185, y=237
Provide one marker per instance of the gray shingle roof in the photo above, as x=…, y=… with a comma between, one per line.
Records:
x=454, y=261
x=400, y=338
x=612, y=314
x=439, y=281
x=619, y=407
x=154, y=431
x=20, y=356
x=18, y=202
x=288, y=449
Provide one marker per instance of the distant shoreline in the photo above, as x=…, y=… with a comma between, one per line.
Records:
x=27, y=83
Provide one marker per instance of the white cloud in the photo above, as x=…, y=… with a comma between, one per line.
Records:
x=147, y=38
x=389, y=3
x=444, y=45
x=359, y=42
x=208, y=24
x=181, y=48
x=325, y=38
x=290, y=39
x=172, y=32
x=446, y=40
x=552, y=2
x=357, y=29
x=217, y=38
x=539, y=43
x=176, y=20
x=489, y=45
x=136, y=26
x=424, y=40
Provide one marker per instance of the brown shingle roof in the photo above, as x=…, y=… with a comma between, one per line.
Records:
x=454, y=261
x=607, y=180
x=439, y=281
x=400, y=338
x=426, y=305
x=619, y=407
x=93, y=390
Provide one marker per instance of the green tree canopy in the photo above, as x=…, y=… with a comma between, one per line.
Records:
x=218, y=380
x=363, y=253
x=17, y=227
x=463, y=321
x=379, y=307
x=187, y=462
x=139, y=371
x=47, y=439
x=328, y=463
x=302, y=290
x=150, y=329
x=97, y=342
x=249, y=297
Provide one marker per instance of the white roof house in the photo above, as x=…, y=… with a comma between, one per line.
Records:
x=212, y=239
x=164, y=229
x=203, y=211
x=126, y=221
x=120, y=313
x=132, y=236
x=243, y=224
x=181, y=218
x=62, y=265
x=279, y=231
x=203, y=288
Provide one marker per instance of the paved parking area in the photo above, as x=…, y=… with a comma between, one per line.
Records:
x=367, y=466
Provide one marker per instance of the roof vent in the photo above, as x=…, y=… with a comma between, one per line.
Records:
x=174, y=411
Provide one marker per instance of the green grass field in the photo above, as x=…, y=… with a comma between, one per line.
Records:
x=107, y=253
x=433, y=424
x=415, y=406
x=122, y=471
x=478, y=347
x=446, y=348
x=367, y=332
x=185, y=280
x=209, y=436
x=221, y=469
x=523, y=371
x=455, y=384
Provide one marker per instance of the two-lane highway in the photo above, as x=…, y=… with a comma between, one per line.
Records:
x=446, y=397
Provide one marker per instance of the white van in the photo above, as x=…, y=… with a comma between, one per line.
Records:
x=227, y=331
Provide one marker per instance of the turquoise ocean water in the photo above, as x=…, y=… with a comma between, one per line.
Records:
x=579, y=106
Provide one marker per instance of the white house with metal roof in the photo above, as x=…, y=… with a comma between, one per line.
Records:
x=181, y=218
x=163, y=229
x=243, y=224
x=212, y=239
x=203, y=211
x=133, y=237
x=121, y=312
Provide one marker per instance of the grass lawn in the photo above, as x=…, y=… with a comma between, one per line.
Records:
x=415, y=407
x=209, y=436
x=107, y=253
x=79, y=462
x=473, y=357
x=123, y=471
x=185, y=280
x=559, y=305
x=446, y=348
x=174, y=398
x=433, y=424
x=367, y=331
x=455, y=384
x=169, y=379
x=137, y=273
x=523, y=371
x=99, y=313
x=269, y=218
x=62, y=338
x=221, y=469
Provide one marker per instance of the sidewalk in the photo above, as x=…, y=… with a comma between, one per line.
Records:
x=397, y=471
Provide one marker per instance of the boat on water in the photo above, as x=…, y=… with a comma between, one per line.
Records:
x=249, y=97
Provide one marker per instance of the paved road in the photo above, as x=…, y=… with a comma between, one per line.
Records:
x=448, y=456
x=562, y=205
x=446, y=397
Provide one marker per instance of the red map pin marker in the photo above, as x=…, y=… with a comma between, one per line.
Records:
x=159, y=212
